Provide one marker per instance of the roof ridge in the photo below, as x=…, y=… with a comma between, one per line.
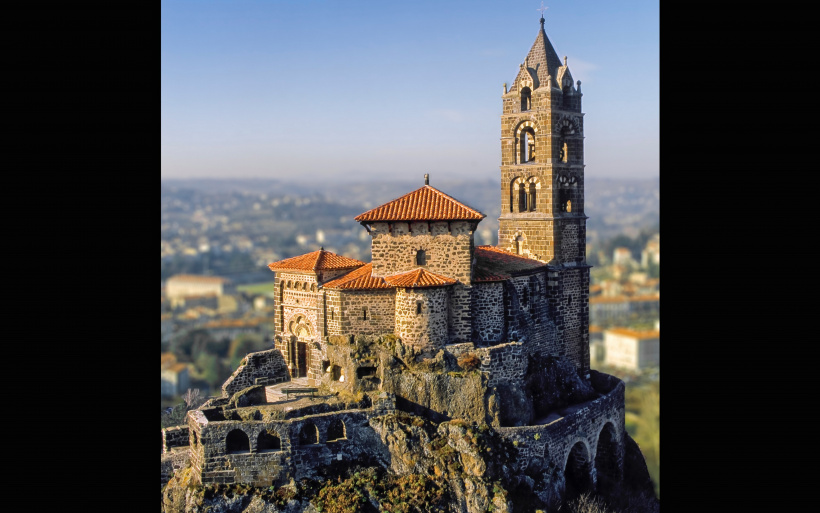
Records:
x=424, y=203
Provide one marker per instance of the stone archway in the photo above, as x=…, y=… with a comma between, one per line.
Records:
x=607, y=469
x=577, y=472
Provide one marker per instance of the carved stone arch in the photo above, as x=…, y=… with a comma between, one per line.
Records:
x=568, y=125
x=299, y=324
x=608, y=453
x=533, y=185
x=517, y=184
x=577, y=470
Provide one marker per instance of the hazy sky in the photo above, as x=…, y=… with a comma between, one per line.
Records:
x=348, y=90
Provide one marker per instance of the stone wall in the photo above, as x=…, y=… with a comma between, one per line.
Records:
x=381, y=311
x=488, y=313
x=546, y=448
x=575, y=297
x=448, y=247
x=260, y=368
x=176, y=436
x=505, y=363
x=335, y=436
x=426, y=330
x=170, y=463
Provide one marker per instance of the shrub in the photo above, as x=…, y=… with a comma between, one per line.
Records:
x=469, y=361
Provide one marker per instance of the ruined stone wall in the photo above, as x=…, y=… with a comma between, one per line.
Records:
x=176, y=436
x=426, y=330
x=505, y=363
x=488, y=313
x=296, y=457
x=171, y=463
x=260, y=368
x=448, y=247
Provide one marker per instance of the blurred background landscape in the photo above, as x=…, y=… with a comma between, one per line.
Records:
x=218, y=235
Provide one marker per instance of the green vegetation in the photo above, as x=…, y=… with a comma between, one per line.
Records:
x=371, y=490
x=643, y=419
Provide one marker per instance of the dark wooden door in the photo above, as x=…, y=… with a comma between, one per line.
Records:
x=302, y=358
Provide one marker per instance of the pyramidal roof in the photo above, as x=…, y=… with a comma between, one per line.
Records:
x=541, y=61
x=317, y=261
x=424, y=204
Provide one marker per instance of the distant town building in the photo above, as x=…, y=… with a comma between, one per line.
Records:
x=182, y=285
x=174, y=379
x=652, y=251
x=630, y=349
x=609, y=309
x=623, y=256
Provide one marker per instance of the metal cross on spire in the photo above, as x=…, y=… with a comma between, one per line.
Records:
x=542, y=9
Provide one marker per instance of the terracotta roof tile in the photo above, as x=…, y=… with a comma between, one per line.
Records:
x=360, y=279
x=496, y=264
x=634, y=334
x=419, y=278
x=316, y=261
x=424, y=204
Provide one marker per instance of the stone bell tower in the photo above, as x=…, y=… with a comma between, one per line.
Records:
x=542, y=185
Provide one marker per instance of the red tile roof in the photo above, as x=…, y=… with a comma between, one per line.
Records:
x=316, y=261
x=634, y=334
x=496, y=264
x=424, y=204
x=359, y=279
x=420, y=278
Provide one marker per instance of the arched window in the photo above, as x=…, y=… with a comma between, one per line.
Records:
x=267, y=442
x=522, y=198
x=237, y=441
x=526, y=98
x=309, y=434
x=531, y=203
x=421, y=257
x=525, y=297
x=336, y=430
x=527, y=145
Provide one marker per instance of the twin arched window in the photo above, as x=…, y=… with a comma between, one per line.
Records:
x=525, y=194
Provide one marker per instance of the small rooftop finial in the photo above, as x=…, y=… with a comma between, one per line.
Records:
x=321, y=248
x=542, y=9
x=565, y=60
x=426, y=178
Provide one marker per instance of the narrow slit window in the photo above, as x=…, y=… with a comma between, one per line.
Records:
x=364, y=313
x=418, y=308
x=421, y=257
